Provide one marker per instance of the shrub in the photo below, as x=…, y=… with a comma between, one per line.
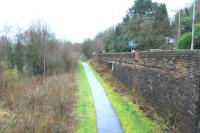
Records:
x=8, y=77
x=3, y=66
x=11, y=74
x=185, y=40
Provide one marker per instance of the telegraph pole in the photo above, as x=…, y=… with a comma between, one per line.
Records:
x=193, y=23
x=179, y=24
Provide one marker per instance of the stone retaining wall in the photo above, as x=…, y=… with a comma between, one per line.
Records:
x=169, y=80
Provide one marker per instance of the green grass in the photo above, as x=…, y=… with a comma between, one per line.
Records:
x=85, y=110
x=131, y=118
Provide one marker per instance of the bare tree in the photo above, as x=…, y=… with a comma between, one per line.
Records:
x=39, y=35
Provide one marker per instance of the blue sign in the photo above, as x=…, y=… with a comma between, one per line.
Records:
x=131, y=43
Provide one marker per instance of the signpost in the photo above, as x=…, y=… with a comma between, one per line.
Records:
x=131, y=44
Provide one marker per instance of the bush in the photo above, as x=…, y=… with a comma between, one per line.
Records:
x=10, y=74
x=3, y=67
x=197, y=37
x=8, y=77
x=185, y=40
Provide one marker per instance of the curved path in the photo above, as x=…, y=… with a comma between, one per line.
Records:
x=107, y=120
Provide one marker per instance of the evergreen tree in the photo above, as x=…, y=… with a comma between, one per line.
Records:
x=161, y=20
x=86, y=47
x=10, y=58
x=31, y=59
x=19, y=56
x=143, y=8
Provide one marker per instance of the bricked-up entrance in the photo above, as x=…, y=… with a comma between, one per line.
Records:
x=111, y=65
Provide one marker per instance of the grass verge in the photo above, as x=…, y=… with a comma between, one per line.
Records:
x=85, y=109
x=133, y=120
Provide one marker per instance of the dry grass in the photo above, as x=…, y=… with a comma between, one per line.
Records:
x=40, y=107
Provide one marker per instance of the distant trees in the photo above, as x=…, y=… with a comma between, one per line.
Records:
x=37, y=51
x=108, y=39
x=186, y=21
x=39, y=37
x=87, y=47
x=146, y=22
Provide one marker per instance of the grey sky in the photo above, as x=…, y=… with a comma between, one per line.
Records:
x=173, y=5
x=74, y=20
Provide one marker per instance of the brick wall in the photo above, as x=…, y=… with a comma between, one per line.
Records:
x=169, y=80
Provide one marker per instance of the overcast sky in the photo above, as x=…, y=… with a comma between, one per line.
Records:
x=73, y=20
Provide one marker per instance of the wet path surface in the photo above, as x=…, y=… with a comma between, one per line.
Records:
x=107, y=120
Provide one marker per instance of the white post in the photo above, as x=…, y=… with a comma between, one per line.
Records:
x=193, y=23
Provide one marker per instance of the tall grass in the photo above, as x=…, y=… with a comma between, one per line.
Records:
x=38, y=106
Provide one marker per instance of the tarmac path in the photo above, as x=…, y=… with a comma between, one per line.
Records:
x=107, y=119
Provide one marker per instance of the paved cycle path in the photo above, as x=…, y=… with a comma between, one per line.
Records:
x=107, y=120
